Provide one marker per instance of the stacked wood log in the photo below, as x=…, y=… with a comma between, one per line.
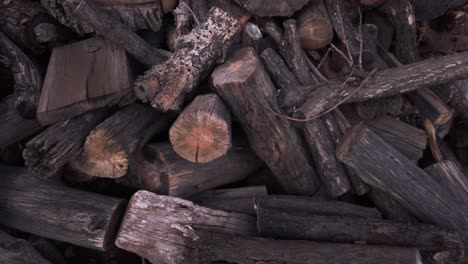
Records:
x=233, y=131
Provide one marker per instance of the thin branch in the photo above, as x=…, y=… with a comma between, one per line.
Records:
x=350, y=63
x=324, y=58
x=360, y=38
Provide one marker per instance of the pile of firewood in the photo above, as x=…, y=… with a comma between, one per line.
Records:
x=233, y=131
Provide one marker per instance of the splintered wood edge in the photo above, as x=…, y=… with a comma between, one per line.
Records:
x=352, y=135
x=236, y=69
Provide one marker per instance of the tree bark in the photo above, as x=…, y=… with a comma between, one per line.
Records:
x=50, y=209
x=202, y=132
x=108, y=147
x=18, y=251
x=165, y=85
x=248, y=91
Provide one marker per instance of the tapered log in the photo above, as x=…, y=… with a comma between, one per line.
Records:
x=107, y=148
x=84, y=76
x=105, y=24
x=202, y=132
x=388, y=82
x=13, y=127
x=314, y=26
x=451, y=176
x=308, y=205
x=18, y=251
x=345, y=229
x=48, y=152
x=389, y=207
x=50, y=209
x=159, y=169
x=238, y=200
x=272, y=8
x=248, y=91
x=26, y=75
x=383, y=167
x=165, y=85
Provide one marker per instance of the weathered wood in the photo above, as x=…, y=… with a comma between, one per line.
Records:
x=449, y=175
x=13, y=127
x=202, y=132
x=159, y=169
x=248, y=91
x=308, y=205
x=86, y=12
x=251, y=36
x=50, y=209
x=152, y=223
x=26, y=76
x=389, y=207
x=345, y=229
x=108, y=147
x=165, y=85
x=314, y=26
x=426, y=10
x=272, y=8
x=84, y=76
x=383, y=167
x=46, y=153
x=238, y=200
x=18, y=251
x=388, y=82
x=48, y=249
x=430, y=106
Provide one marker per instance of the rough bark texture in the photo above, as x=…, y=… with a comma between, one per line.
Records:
x=248, y=91
x=103, y=23
x=202, y=132
x=272, y=7
x=27, y=79
x=18, y=251
x=108, y=147
x=50, y=209
x=47, y=152
x=153, y=223
x=164, y=86
x=383, y=167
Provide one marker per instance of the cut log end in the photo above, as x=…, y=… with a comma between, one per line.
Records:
x=348, y=140
x=240, y=67
x=315, y=34
x=104, y=158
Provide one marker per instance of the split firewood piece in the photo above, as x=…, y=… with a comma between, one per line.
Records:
x=29, y=26
x=161, y=219
x=262, y=8
x=345, y=229
x=165, y=85
x=85, y=12
x=449, y=174
x=13, y=127
x=251, y=36
x=383, y=167
x=238, y=200
x=433, y=140
x=50, y=209
x=108, y=147
x=248, y=91
x=15, y=251
x=48, y=152
x=314, y=26
x=136, y=14
x=432, y=107
x=202, y=132
x=308, y=205
x=331, y=171
x=84, y=76
x=389, y=207
x=385, y=83
x=27, y=79
x=159, y=169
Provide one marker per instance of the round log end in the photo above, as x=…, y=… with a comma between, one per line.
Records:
x=346, y=143
x=102, y=157
x=315, y=33
x=237, y=69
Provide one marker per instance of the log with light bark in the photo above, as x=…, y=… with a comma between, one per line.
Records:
x=314, y=26
x=50, y=209
x=84, y=76
x=308, y=205
x=28, y=81
x=383, y=167
x=448, y=174
x=18, y=251
x=344, y=229
x=108, y=147
x=248, y=91
x=384, y=83
x=164, y=86
x=238, y=200
x=159, y=169
x=86, y=13
x=272, y=8
x=48, y=152
x=202, y=132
